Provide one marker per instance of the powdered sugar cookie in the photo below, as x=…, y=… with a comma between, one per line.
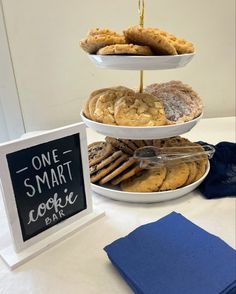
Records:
x=180, y=102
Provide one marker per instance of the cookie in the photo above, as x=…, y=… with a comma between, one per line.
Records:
x=125, y=49
x=192, y=172
x=146, y=181
x=127, y=174
x=129, y=143
x=93, y=43
x=139, y=110
x=105, y=162
x=201, y=168
x=92, y=106
x=139, y=143
x=180, y=102
x=104, y=108
x=106, y=170
x=187, y=90
x=159, y=143
x=176, y=141
x=93, y=94
x=148, y=142
x=177, y=175
x=119, y=145
x=150, y=37
x=97, y=151
x=178, y=106
x=102, y=31
x=117, y=171
x=181, y=45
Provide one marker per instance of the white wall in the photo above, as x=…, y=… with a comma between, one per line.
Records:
x=3, y=127
x=11, y=121
x=54, y=76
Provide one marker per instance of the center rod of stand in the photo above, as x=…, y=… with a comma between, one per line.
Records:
x=141, y=81
x=141, y=23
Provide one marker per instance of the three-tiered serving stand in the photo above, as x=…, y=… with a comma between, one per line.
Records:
x=142, y=63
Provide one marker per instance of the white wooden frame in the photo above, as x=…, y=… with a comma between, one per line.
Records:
x=8, y=193
x=9, y=96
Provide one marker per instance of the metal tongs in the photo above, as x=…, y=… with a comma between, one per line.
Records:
x=154, y=157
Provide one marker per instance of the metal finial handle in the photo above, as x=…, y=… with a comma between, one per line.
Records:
x=141, y=23
x=141, y=12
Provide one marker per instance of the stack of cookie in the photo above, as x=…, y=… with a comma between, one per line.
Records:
x=113, y=162
x=181, y=103
x=135, y=40
x=161, y=104
x=122, y=106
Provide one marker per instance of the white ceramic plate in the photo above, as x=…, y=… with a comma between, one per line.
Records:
x=125, y=132
x=141, y=62
x=116, y=194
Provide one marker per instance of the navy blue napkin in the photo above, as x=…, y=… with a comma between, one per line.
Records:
x=174, y=256
x=221, y=180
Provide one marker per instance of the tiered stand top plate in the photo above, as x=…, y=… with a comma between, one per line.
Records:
x=141, y=62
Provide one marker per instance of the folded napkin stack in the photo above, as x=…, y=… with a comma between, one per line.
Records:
x=174, y=256
x=221, y=180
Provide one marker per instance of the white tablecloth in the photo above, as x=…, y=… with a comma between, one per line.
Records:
x=79, y=264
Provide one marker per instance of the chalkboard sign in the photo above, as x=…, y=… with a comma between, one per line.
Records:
x=48, y=183
x=45, y=181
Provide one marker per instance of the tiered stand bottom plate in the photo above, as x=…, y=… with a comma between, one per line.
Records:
x=151, y=197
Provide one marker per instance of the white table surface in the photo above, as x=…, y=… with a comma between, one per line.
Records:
x=79, y=264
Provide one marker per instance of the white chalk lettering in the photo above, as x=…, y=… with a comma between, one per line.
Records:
x=42, y=209
x=48, y=221
x=31, y=217
x=54, y=217
x=36, y=162
x=44, y=179
x=45, y=159
x=29, y=186
x=60, y=174
x=61, y=213
x=52, y=203
x=68, y=167
x=54, y=178
x=54, y=155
